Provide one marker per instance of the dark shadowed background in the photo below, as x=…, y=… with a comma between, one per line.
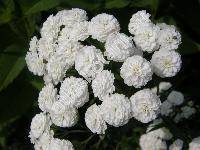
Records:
x=22, y=19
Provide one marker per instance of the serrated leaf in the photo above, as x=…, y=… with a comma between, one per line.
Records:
x=10, y=65
x=116, y=3
x=42, y=5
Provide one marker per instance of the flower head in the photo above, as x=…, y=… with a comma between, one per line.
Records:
x=74, y=92
x=136, y=71
x=103, y=25
x=116, y=110
x=166, y=63
x=94, y=120
x=119, y=47
x=145, y=105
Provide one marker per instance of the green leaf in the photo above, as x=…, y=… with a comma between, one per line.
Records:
x=6, y=10
x=36, y=83
x=11, y=64
x=42, y=5
x=116, y=3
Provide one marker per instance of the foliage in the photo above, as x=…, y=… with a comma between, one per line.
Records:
x=21, y=19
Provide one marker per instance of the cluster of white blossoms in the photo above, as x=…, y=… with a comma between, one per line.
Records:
x=63, y=44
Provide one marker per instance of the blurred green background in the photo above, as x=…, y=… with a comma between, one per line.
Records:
x=22, y=19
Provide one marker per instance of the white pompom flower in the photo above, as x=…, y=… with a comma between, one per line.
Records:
x=116, y=110
x=94, y=120
x=195, y=144
x=147, y=142
x=79, y=31
x=57, y=67
x=89, y=62
x=34, y=62
x=43, y=142
x=102, y=25
x=50, y=28
x=176, y=145
x=169, y=37
x=146, y=38
x=39, y=124
x=145, y=105
x=62, y=115
x=119, y=47
x=70, y=17
x=166, y=63
x=74, y=92
x=46, y=48
x=69, y=50
x=138, y=19
x=103, y=84
x=57, y=144
x=47, y=96
x=175, y=98
x=136, y=71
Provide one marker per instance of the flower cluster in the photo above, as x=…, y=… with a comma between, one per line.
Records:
x=62, y=45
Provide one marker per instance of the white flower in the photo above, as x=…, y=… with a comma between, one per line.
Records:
x=47, y=96
x=162, y=133
x=145, y=105
x=138, y=19
x=169, y=37
x=33, y=45
x=74, y=92
x=57, y=144
x=136, y=71
x=46, y=48
x=147, y=142
x=70, y=17
x=39, y=124
x=94, y=120
x=176, y=145
x=176, y=98
x=116, y=110
x=103, y=84
x=146, y=38
x=50, y=28
x=33, y=60
x=56, y=67
x=43, y=142
x=102, y=25
x=68, y=49
x=119, y=47
x=195, y=144
x=166, y=63
x=79, y=31
x=166, y=108
x=63, y=116
x=187, y=111
x=89, y=61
